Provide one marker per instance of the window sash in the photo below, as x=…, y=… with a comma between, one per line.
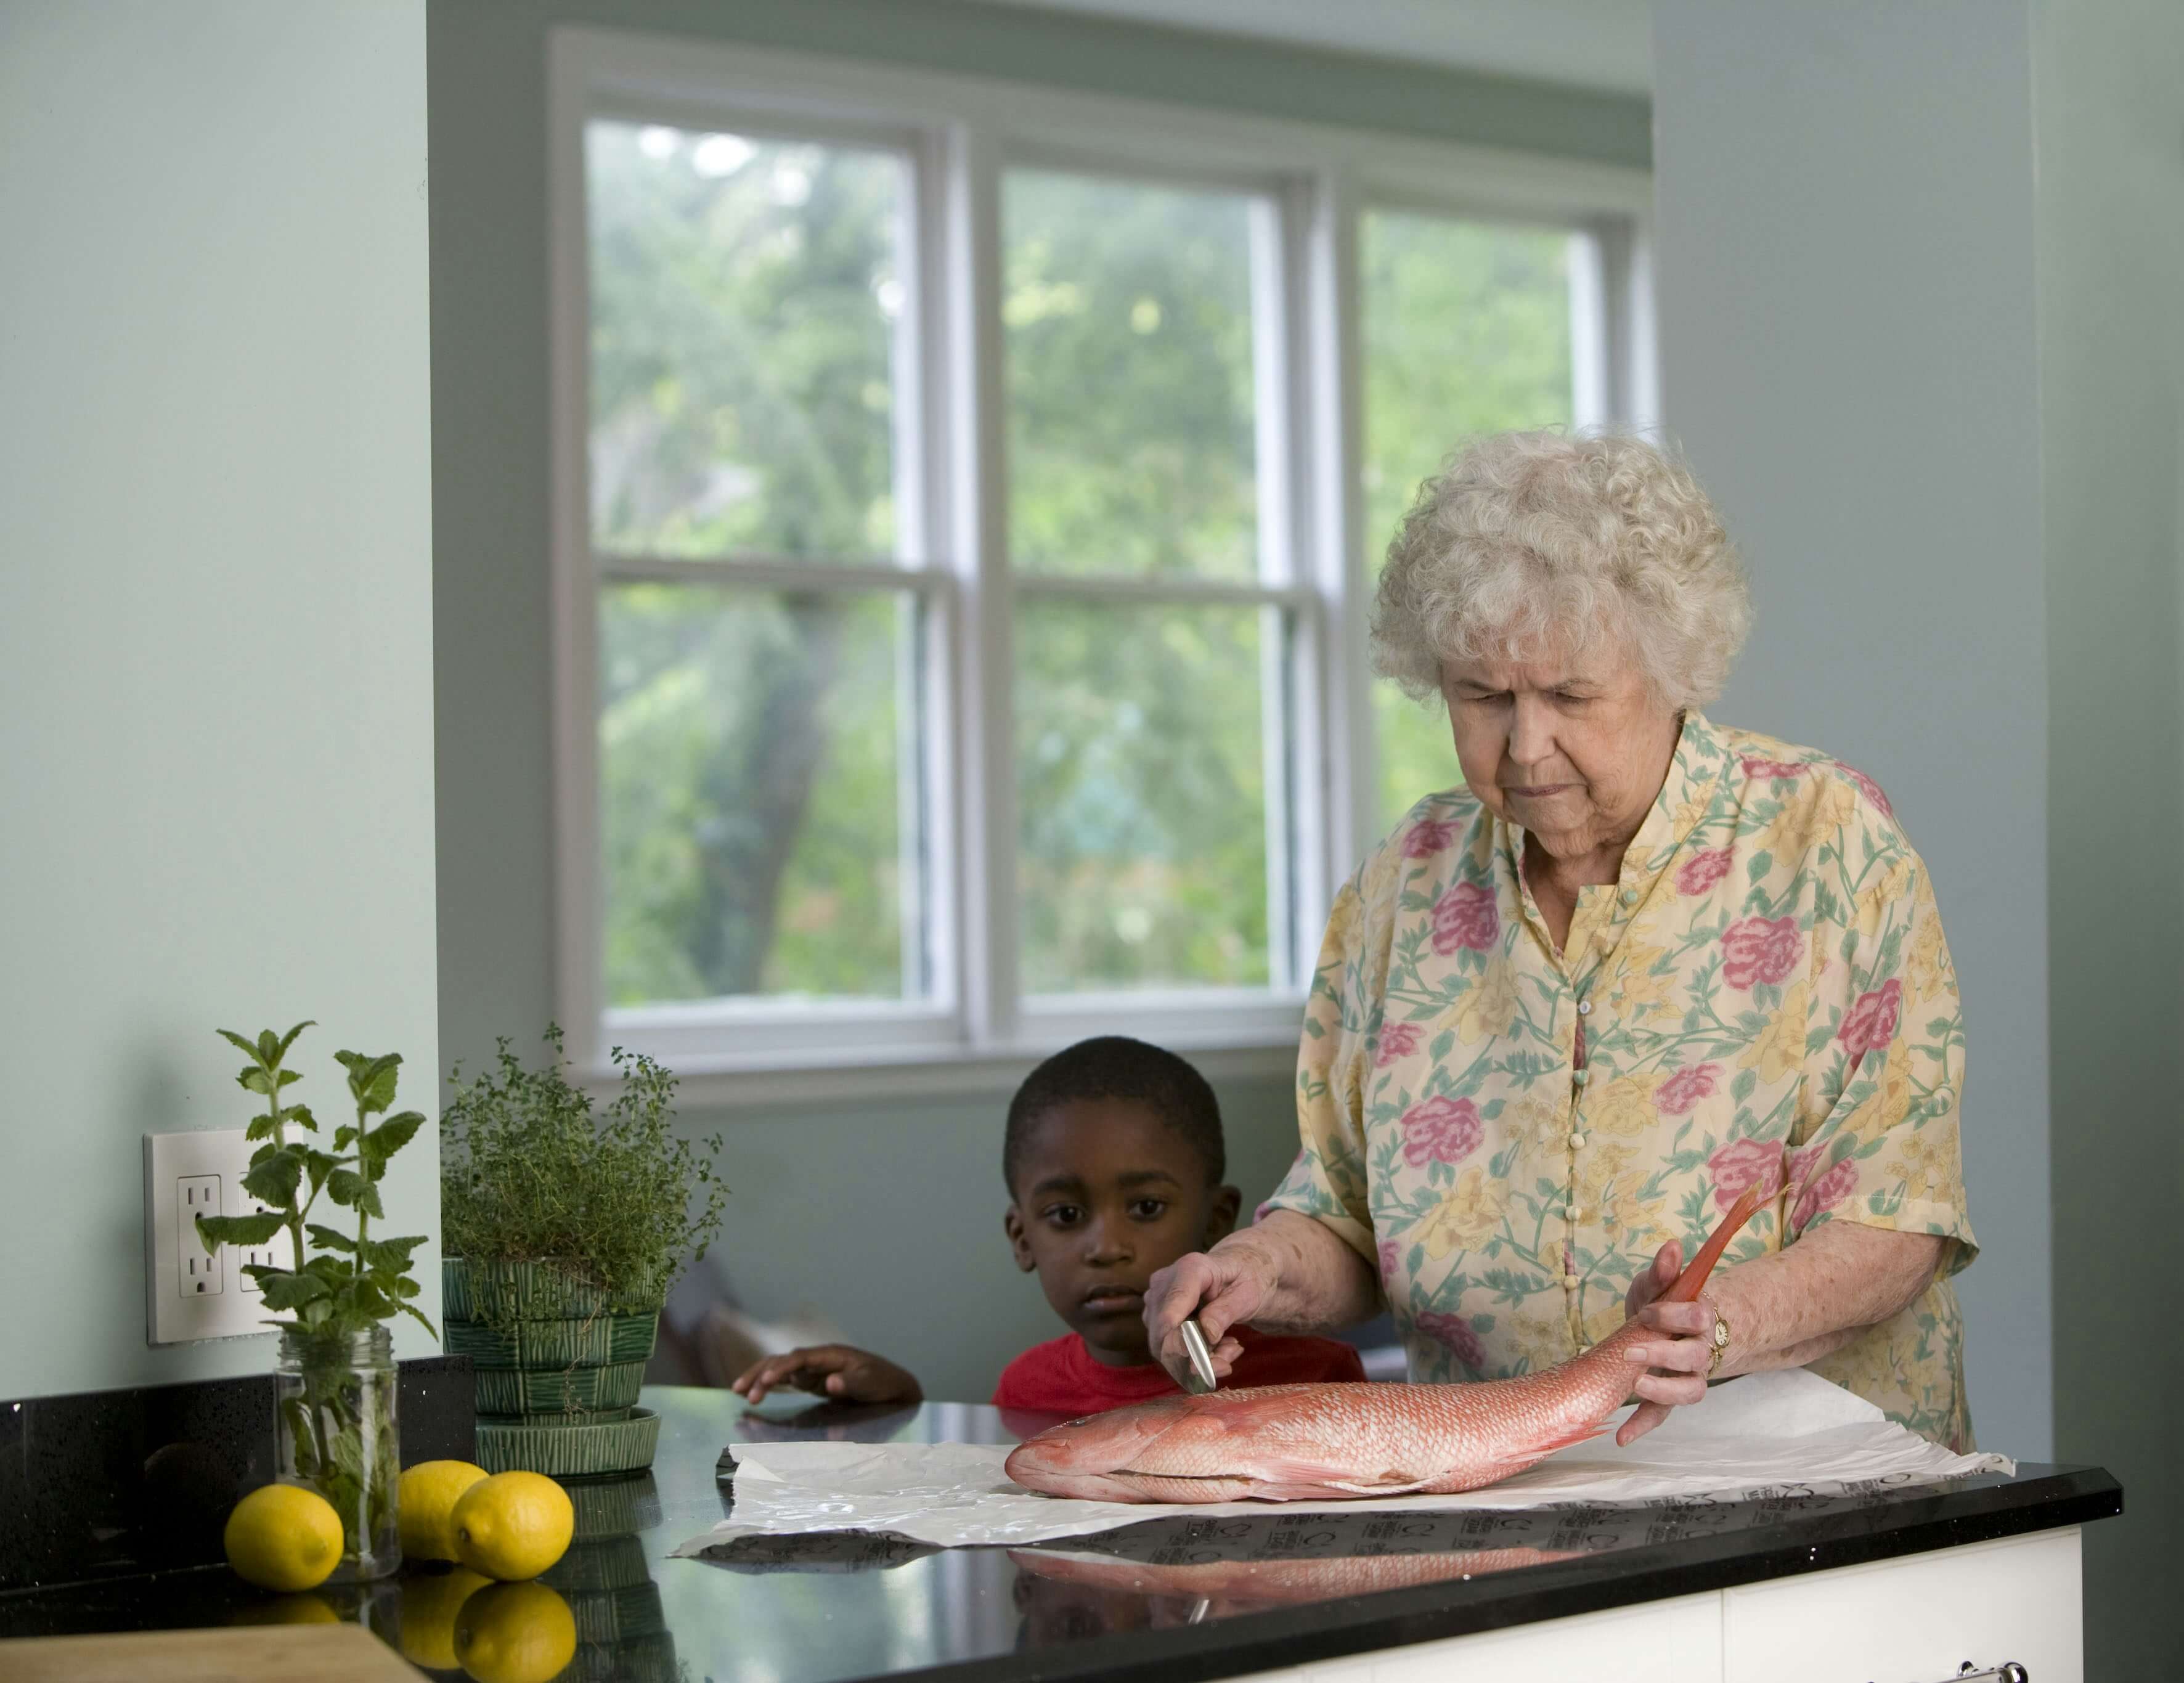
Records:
x=959, y=135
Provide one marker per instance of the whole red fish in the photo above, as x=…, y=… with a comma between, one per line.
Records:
x=1312, y=1442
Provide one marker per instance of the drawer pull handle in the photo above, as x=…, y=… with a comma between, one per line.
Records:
x=2008, y=1672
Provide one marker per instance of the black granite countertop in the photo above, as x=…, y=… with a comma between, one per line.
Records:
x=1166, y=1599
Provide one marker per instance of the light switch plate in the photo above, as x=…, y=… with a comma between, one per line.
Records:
x=188, y=1294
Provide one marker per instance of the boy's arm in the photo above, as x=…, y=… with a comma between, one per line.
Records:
x=839, y=1371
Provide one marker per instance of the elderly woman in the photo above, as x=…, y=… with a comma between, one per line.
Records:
x=1566, y=1014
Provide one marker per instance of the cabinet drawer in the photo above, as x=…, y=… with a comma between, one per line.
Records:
x=1916, y=1620
x=1669, y=1641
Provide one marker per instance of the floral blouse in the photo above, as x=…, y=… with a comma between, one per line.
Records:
x=1509, y=1133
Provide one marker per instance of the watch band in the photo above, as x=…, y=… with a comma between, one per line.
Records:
x=1720, y=1343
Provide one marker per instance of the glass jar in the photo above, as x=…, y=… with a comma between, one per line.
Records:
x=338, y=1436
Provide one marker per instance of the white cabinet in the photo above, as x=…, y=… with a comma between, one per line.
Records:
x=1913, y=1619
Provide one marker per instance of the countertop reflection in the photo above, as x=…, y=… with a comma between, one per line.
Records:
x=1166, y=1598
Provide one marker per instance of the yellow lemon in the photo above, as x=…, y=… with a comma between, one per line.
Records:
x=424, y=1500
x=284, y=1537
x=515, y=1633
x=513, y=1525
x=431, y=1600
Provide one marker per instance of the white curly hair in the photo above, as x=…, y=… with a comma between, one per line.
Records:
x=1590, y=536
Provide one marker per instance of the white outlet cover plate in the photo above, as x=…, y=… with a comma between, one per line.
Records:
x=171, y=1315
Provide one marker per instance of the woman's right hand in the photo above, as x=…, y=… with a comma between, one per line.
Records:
x=1224, y=1288
x=839, y=1371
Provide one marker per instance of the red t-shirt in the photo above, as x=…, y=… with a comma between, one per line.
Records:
x=1062, y=1376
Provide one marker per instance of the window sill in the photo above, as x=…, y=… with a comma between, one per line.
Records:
x=773, y=1082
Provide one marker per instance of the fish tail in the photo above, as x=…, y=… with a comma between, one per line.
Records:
x=1689, y=1283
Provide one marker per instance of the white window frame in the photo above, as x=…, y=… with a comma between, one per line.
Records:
x=958, y=133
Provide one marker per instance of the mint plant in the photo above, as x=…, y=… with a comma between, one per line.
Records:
x=352, y=1281
x=336, y=1390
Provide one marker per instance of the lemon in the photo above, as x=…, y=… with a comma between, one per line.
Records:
x=513, y=1525
x=515, y=1633
x=424, y=1500
x=430, y=1603
x=284, y=1537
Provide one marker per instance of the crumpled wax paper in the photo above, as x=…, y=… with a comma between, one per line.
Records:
x=1761, y=1436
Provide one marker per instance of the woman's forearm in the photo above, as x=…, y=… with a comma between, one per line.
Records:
x=1320, y=1284
x=1798, y=1304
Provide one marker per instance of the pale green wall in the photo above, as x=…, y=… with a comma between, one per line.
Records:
x=1844, y=203
x=1920, y=274
x=887, y=1216
x=215, y=630
x=2107, y=97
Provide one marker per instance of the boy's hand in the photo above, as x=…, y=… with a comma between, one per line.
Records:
x=840, y=1371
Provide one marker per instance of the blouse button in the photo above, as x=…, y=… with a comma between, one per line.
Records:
x=1631, y=896
x=1585, y=1007
x=1577, y=1142
x=1581, y=1076
x=1570, y=1282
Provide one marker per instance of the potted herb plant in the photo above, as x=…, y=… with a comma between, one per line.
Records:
x=562, y=1228
x=336, y=1376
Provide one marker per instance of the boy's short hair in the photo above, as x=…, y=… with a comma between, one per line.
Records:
x=1116, y=1067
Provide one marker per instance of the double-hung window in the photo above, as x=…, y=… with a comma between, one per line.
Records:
x=968, y=501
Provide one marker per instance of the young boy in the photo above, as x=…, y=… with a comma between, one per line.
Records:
x=1113, y=1157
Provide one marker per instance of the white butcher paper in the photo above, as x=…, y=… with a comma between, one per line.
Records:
x=1765, y=1436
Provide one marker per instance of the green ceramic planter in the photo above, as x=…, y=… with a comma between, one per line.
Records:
x=618, y=1616
x=515, y=1292
x=614, y=1509
x=585, y=1448
x=603, y=1341
x=558, y=1390
x=599, y=1567
x=646, y=1659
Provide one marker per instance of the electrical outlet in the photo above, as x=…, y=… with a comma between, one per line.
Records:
x=189, y=1293
x=198, y=1270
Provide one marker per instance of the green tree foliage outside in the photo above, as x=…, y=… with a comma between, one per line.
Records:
x=1143, y=856
x=1131, y=418
x=743, y=298
x=1140, y=729
x=1466, y=331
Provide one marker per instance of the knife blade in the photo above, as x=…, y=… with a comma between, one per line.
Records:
x=1200, y=1380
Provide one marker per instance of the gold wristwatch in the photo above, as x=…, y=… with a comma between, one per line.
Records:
x=1720, y=1343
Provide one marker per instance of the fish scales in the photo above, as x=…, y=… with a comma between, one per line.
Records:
x=1314, y=1442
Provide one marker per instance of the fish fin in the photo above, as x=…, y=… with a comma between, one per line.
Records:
x=1688, y=1285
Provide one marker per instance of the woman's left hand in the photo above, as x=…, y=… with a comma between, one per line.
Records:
x=1677, y=1359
